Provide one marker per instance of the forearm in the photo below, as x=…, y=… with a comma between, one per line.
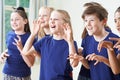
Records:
x=28, y=45
x=105, y=61
x=85, y=63
x=114, y=63
x=72, y=50
x=29, y=60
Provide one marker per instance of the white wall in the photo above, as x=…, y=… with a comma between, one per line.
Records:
x=74, y=7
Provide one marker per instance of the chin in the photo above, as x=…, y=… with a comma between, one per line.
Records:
x=90, y=34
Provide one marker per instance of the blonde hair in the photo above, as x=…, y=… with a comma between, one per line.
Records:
x=66, y=17
x=41, y=32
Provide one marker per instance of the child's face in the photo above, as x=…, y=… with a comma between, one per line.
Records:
x=17, y=22
x=93, y=25
x=56, y=23
x=44, y=15
x=117, y=20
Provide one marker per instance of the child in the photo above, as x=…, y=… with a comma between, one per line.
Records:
x=44, y=15
x=84, y=73
x=17, y=66
x=54, y=49
x=112, y=57
x=95, y=19
x=117, y=19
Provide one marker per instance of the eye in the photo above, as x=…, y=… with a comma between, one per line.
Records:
x=56, y=19
x=115, y=20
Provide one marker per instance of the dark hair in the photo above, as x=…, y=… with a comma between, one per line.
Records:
x=92, y=4
x=100, y=12
x=117, y=10
x=20, y=8
x=22, y=13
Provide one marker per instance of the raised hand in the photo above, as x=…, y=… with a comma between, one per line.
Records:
x=18, y=43
x=36, y=27
x=117, y=45
x=68, y=35
x=105, y=44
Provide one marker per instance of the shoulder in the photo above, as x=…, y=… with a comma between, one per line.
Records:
x=113, y=35
x=46, y=38
x=11, y=33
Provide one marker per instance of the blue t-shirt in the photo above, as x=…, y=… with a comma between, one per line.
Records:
x=15, y=65
x=100, y=71
x=86, y=72
x=54, y=62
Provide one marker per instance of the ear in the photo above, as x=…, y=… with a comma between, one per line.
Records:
x=26, y=21
x=105, y=21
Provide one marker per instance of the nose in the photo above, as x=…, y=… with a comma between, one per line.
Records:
x=52, y=21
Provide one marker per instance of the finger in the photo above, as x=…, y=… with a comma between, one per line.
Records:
x=87, y=57
x=96, y=62
x=15, y=40
x=117, y=43
x=71, y=57
x=92, y=56
x=6, y=55
x=114, y=39
x=19, y=38
x=14, y=43
x=100, y=46
x=118, y=46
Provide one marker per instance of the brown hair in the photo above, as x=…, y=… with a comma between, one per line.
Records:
x=91, y=4
x=22, y=13
x=99, y=11
x=84, y=33
x=117, y=10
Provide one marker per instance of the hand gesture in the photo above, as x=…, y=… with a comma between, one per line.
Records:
x=36, y=27
x=117, y=45
x=3, y=56
x=93, y=56
x=75, y=59
x=105, y=44
x=80, y=51
x=68, y=35
x=18, y=43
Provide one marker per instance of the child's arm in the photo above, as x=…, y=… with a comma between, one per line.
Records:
x=97, y=58
x=113, y=61
x=29, y=59
x=3, y=56
x=79, y=58
x=68, y=36
x=29, y=42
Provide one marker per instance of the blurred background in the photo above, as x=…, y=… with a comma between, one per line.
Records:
x=74, y=7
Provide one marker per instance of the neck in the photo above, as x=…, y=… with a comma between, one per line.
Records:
x=20, y=32
x=101, y=36
x=58, y=36
x=47, y=31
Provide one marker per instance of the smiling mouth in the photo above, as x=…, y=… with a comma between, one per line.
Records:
x=53, y=27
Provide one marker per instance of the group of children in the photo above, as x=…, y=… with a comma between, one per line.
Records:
x=51, y=38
